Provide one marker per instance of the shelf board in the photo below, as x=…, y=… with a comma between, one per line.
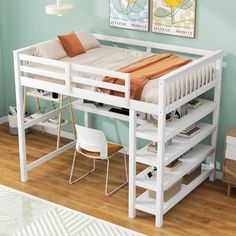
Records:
x=54, y=126
x=45, y=123
x=147, y=204
x=175, y=126
x=178, y=147
x=103, y=111
x=191, y=160
x=48, y=97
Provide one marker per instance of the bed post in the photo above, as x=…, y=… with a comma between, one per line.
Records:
x=132, y=163
x=20, y=118
x=216, y=113
x=160, y=153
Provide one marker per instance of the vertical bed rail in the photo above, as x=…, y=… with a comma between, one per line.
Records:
x=160, y=153
x=216, y=113
x=132, y=163
x=20, y=118
x=127, y=90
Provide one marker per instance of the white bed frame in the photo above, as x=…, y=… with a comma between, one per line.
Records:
x=164, y=132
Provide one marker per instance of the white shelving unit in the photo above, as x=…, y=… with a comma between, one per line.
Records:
x=190, y=151
x=175, y=126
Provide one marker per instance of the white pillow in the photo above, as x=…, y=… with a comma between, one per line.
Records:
x=88, y=40
x=51, y=50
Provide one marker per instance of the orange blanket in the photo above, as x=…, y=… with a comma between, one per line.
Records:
x=143, y=71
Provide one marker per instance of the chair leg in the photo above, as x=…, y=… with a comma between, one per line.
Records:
x=82, y=176
x=107, y=178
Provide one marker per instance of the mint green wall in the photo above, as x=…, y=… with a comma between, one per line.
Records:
x=26, y=23
x=2, y=93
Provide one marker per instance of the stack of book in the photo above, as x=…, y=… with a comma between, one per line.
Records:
x=189, y=132
x=173, y=165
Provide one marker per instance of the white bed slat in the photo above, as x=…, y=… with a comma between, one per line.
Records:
x=98, y=84
x=102, y=72
x=41, y=72
x=177, y=89
x=43, y=61
x=183, y=87
x=207, y=73
x=195, y=65
x=168, y=94
x=194, y=94
x=211, y=68
x=173, y=91
x=40, y=84
x=203, y=76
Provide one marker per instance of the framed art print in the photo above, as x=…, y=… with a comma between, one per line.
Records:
x=174, y=17
x=130, y=14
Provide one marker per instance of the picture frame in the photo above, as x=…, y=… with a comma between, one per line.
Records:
x=174, y=17
x=130, y=14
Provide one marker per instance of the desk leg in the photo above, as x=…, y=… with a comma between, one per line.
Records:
x=228, y=190
x=72, y=118
x=59, y=123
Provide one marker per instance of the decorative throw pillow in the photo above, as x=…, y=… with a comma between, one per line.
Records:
x=71, y=44
x=50, y=50
x=88, y=40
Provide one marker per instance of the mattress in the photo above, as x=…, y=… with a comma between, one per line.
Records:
x=113, y=58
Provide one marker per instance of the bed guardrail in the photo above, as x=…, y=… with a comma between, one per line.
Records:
x=62, y=77
x=191, y=81
x=152, y=45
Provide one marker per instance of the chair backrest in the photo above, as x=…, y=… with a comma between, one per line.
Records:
x=91, y=140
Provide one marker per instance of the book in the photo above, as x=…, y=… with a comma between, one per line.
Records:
x=173, y=165
x=194, y=103
x=189, y=134
x=189, y=128
x=152, y=147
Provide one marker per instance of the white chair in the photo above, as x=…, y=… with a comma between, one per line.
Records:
x=92, y=143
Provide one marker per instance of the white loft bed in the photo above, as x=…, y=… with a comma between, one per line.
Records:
x=137, y=127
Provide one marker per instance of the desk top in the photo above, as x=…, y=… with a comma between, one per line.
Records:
x=231, y=132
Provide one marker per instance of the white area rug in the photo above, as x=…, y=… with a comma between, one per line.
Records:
x=25, y=215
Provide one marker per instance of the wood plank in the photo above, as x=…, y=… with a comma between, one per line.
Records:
x=206, y=211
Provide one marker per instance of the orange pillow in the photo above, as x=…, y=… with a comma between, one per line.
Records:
x=71, y=44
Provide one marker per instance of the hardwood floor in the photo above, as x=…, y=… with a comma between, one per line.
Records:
x=206, y=211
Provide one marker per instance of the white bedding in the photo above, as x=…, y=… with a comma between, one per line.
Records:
x=113, y=58
x=110, y=58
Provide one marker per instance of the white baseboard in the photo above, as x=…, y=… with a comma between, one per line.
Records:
x=3, y=119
